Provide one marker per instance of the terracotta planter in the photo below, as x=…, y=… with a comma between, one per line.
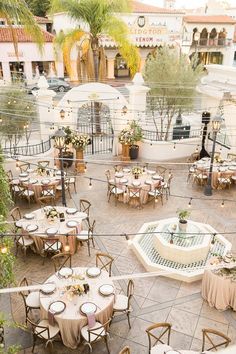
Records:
x=125, y=152
x=79, y=165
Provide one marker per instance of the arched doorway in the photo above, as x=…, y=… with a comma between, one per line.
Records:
x=212, y=37
x=121, y=68
x=222, y=37
x=203, y=37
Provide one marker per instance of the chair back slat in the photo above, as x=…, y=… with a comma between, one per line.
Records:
x=151, y=332
x=95, y=332
x=208, y=333
x=61, y=260
x=104, y=261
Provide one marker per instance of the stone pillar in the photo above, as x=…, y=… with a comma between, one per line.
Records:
x=137, y=96
x=47, y=115
x=110, y=68
x=28, y=71
x=6, y=71
x=142, y=64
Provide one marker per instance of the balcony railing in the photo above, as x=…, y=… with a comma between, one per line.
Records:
x=28, y=150
x=217, y=42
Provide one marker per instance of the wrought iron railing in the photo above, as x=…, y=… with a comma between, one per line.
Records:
x=181, y=132
x=28, y=150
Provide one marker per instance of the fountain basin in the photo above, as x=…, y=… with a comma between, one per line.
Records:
x=189, y=247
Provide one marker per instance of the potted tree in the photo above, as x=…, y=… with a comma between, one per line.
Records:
x=67, y=154
x=182, y=215
x=137, y=134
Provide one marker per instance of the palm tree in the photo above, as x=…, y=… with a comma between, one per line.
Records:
x=98, y=17
x=17, y=12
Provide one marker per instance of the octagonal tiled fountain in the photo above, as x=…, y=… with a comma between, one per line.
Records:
x=160, y=245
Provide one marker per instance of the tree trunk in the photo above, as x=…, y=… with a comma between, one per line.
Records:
x=97, y=114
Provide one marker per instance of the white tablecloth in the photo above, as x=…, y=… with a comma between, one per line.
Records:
x=163, y=348
x=71, y=320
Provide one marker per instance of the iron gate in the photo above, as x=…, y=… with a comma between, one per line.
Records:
x=96, y=122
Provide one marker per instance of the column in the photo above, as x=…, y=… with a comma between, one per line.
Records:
x=6, y=71
x=110, y=68
x=60, y=69
x=28, y=71
x=142, y=64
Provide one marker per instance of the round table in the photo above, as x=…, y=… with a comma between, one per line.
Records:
x=43, y=223
x=71, y=320
x=163, y=348
x=146, y=183
x=218, y=291
x=36, y=182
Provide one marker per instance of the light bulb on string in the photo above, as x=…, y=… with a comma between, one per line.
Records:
x=197, y=148
x=101, y=140
x=156, y=199
x=190, y=202
x=150, y=142
x=4, y=250
x=174, y=147
x=85, y=167
x=222, y=204
x=125, y=192
x=90, y=183
x=9, y=102
x=49, y=110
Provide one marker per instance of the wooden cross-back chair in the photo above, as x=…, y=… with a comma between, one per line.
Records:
x=30, y=298
x=95, y=334
x=85, y=206
x=87, y=235
x=105, y=260
x=15, y=213
x=122, y=303
x=61, y=260
x=125, y=350
x=24, y=167
x=156, y=336
x=47, y=200
x=208, y=333
x=43, y=164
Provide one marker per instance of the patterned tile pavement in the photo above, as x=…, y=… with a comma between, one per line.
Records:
x=156, y=299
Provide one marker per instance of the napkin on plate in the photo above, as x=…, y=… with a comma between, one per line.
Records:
x=91, y=320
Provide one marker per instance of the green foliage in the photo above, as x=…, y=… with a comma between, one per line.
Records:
x=6, y=243
x=183, y=214
x=38, y=7
x=131, y=134
x=172, y=79
x=13, y=349
x=18, y=111
x=101, y=19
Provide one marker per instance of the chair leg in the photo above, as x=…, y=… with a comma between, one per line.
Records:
x=106, y=341
x=88, y=244
x=128, y=320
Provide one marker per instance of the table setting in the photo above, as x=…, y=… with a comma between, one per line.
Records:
x=219, y=283
x=221, y=168
x=75, y=297
x=55, y=222
x=39, y=179
x=137, y=178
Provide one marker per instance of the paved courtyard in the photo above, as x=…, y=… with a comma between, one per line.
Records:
x=157, y=299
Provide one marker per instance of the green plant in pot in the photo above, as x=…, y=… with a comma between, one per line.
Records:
x=67, y=154
x=137, y=134
x=183, y=214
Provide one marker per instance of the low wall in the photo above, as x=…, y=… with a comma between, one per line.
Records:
x=164, y=150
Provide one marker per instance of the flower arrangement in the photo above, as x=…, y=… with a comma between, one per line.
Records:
x=77, y=289
x=80, y=141
x=51, y=212
x=137, y=170
x=131, y=134
x=41, y=171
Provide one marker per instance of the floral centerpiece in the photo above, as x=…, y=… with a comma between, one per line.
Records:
x=136, y=171
x=77, y=289
x=41, y=170
x=80, y=141
x=51, y=213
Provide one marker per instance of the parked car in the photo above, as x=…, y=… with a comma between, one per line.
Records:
x=54, y=84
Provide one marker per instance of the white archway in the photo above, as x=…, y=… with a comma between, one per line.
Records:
x=98, y=92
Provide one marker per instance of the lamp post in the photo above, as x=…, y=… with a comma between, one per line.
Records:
x=206, y=116
x=59, y=138
x=216, y=122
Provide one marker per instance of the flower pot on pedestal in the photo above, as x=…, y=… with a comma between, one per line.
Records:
x=183, y=225
x=125, y=152
x=80, y=165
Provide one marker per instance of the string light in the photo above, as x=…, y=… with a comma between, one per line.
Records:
x=222, y=204
x=190, y=203
x=150, y=142
x=4, y=250
x=85, y=167
x=197, y=148
x=90, y=183
x=174, y=146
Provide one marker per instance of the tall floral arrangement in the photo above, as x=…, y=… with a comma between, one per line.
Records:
x=80, y=141
x=131, y=134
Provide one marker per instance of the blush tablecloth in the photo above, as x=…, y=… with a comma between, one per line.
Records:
x=71, y=320
x=218, y=291
x=62, y=229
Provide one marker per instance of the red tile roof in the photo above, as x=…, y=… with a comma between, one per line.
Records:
x=21, y=34
x=42, y=19
x=210, y=19
x=139, y=7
